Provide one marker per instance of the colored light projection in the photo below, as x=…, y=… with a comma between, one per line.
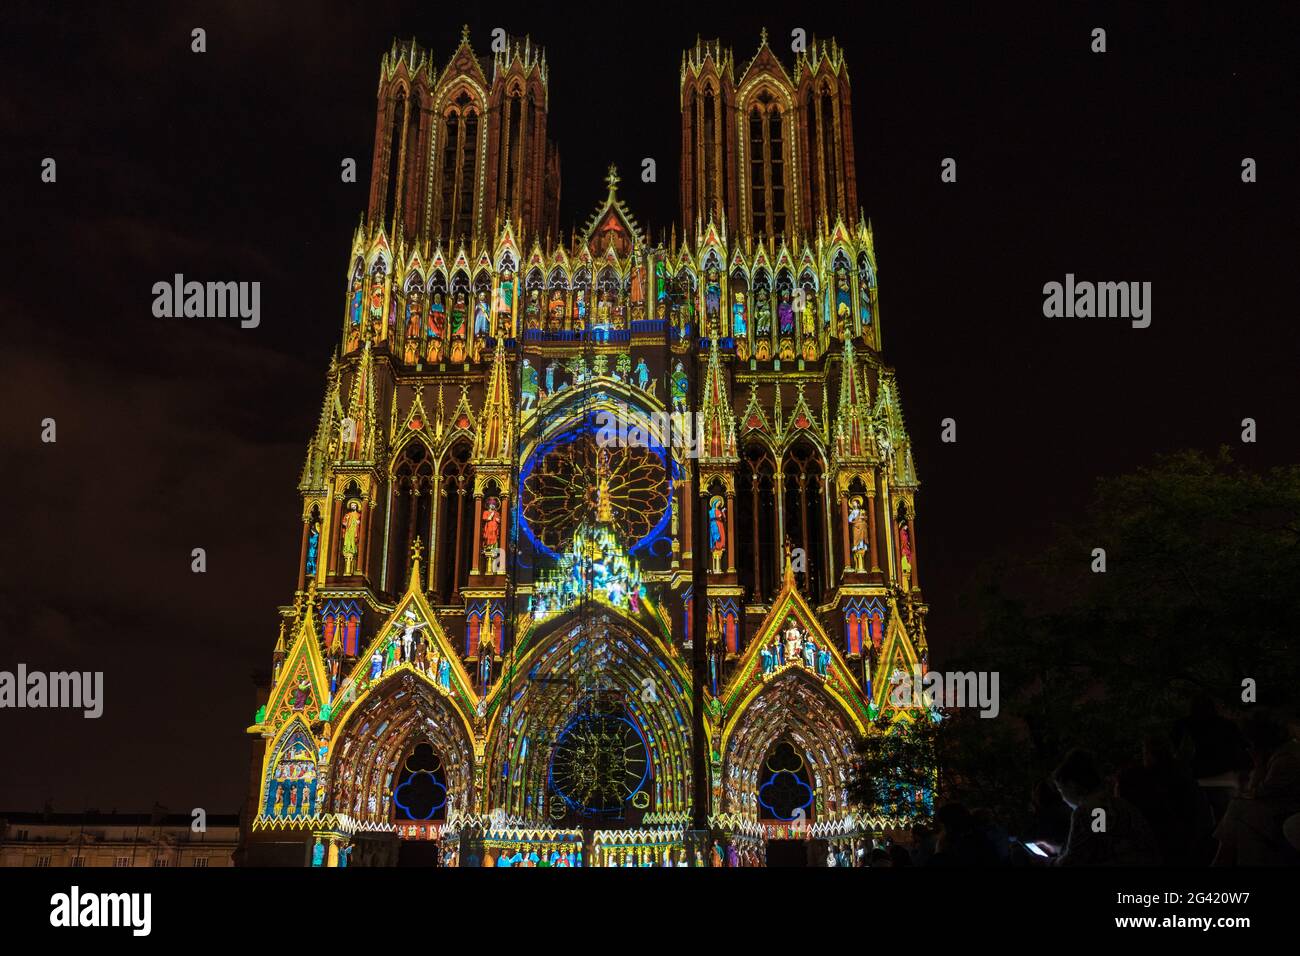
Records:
x=600, y=762
x=291, y=789
x=558, y=738
x=422, y=792
x=595, y=569
x=561, y=490
x=785, y=793
x=539, y=457
x=592, y=508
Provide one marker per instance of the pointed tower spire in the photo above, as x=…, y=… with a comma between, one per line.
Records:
x=359, y=444
x=313, y=469
x=719, y=422
x=495, y=436
x=852, y=421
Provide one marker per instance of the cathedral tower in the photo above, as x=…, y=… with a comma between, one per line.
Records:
x=770, y=152
x=462, y=148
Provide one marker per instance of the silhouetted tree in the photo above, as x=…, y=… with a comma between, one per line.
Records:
x=1201, y=593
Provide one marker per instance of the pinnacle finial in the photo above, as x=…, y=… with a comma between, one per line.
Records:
x=612, y=179
x=464, y=33
x=787, y=547
x=417, y=549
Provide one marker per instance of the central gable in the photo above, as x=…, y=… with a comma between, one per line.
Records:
x=750, y=678
x=414, y=611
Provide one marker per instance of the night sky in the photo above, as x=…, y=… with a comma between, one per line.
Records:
x=183, y=433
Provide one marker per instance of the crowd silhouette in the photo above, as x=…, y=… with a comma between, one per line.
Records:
x=1208, y=792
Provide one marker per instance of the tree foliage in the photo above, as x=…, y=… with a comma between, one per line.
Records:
x=1200, y=593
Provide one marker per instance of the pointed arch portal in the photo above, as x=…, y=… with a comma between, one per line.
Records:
x=592, y=727
x=793, y=712
x=372, y=748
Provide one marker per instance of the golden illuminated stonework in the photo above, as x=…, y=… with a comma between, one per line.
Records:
x=566, y=484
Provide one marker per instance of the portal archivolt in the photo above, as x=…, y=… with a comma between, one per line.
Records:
x=382, y=732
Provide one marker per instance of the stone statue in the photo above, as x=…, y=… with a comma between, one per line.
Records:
x=793, y=640
x=351, y=530
x=717, y=530
x=528, y=386
x=860, y=529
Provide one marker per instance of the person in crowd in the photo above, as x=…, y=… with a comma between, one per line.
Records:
x=1251, y=831
x=1105, y=830
x=995, y=835
x=1209, y=742
x=923, y=840
x=1050, y=823
x=1176, y=808
x=1213, y=750
x=962, y=840
x=898, y=856
x=1291, y=830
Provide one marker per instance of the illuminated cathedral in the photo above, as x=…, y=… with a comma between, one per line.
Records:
x=609, y=543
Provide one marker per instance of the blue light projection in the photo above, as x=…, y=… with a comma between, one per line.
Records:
x=656, y=541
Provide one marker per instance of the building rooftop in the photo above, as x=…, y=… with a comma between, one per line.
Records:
x=97, y=818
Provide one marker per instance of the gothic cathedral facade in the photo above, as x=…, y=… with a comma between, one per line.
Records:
x=609, y=540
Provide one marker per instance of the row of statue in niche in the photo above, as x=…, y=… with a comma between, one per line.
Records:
x=436, y=334
x=543, y=384
x=858, y=521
